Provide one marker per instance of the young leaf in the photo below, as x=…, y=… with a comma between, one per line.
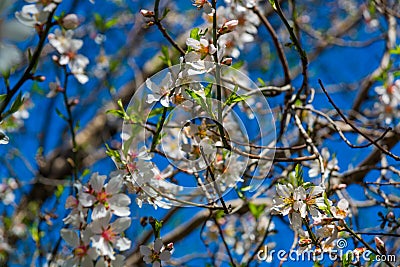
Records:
x=16, y=104
x=61, y=115
x=234, y=98
x=256, y=210
x=194, y=33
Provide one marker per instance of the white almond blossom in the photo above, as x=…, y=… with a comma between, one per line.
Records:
x=7, y=188
x=64, y=43
x=156, y=254
x=297, y=202
x=105, y=198
x=160, y=92
x=10, y=31
x=55, y=88
x=37, y=12
x=117, y=262
x=203, y=47
x=107, y=236
x=341, y=211
x=389, y=100
x=82, y=254
x=78, y=214
x=330, y=164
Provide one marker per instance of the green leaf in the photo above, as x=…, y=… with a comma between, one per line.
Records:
x=237, y=65
x=113, y=154
x=347, y=258
x=85, y=172
x=234, y=97
x=158, y=111
x=219, y=214
x=199, y=99
x=165, y=13
x=165, y=57
x=299, y=175
x=256, y=210
x=272, y=2
x=59, y=191
x=3, y=97
x=17, y=104
x=395, y=51
x=98, y=21
x=61, y=115
x=261, y=81
x=194, y=33
x=246, y=188
x=110, y=23
x=116, y=113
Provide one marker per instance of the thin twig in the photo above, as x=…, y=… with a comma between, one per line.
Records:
x=384, y=150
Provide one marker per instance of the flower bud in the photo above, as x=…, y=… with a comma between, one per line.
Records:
x=147, y=13
x=39, y=78
x=74, y=102
x=70, y=22
x=380, y=245
x=170, y=246
x=143, y=221
x=227, y=61
x=228, y=26
x=390, y=216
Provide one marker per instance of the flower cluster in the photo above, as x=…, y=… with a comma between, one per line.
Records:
x=157, y=253
x=37, y=12
x=67, y=46
x=307, y=203
x=10, y=31
x=7, y=188
x=389, y=100
x=95, y=239
x=241, y=232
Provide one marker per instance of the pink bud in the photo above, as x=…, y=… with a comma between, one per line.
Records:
x=147, y=13
x=228, y=26
x=74, y=102
x=39, y=78
x=390, y=215
x=70, y=22
x=170, y=246
x=227, y=61
x=380, y=245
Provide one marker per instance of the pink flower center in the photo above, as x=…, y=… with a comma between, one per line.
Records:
x=80, y=251
x=102, y=197
x=108, y=235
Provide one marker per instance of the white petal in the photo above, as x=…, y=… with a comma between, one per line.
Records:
x=165, y=101
x=145, y=250
x=99, y=212
x=97, y=182
x=120, y=211
x=123, y=244
x=193, y=43
x=87, y=200
x=121, y=224
x=114, y=185
x=165, y=255
x=158, y=244
x=70, y=236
